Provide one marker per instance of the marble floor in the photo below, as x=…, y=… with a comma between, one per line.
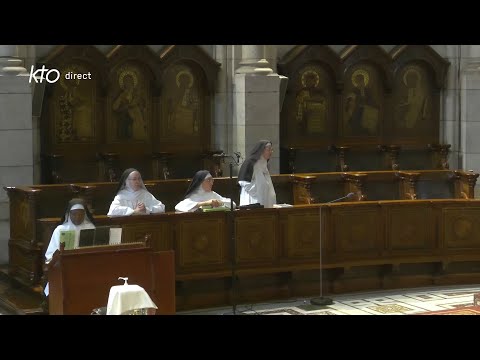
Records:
x=391, y=302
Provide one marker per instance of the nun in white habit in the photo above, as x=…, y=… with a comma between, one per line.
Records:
x=133, y=198
x=77, y=217
x=254, y=177
x=199, y=193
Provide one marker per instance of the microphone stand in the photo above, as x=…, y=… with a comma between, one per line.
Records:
x=232, y=245
x=324, y=301
x=232, y=233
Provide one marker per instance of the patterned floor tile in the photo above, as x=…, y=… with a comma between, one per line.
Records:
x=391, y=302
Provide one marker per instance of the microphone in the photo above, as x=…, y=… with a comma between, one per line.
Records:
x=348, y=196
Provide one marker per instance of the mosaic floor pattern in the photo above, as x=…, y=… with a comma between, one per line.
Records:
x=391, y=302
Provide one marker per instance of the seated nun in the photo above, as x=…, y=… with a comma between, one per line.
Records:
x=200, y=193
x=133, y=198
x=76, y=217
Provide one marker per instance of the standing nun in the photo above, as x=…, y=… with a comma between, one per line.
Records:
x=199, y=193
x=254, y=177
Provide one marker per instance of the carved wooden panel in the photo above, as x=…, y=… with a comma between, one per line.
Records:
x=461, y=228
x=357, y=231
x=255, y=238
x=22, y=219
x=409, y=227
x=303, y=235
x=72, y=118
x=200, y=242
x=26, y=264
x=380, y=99
x=160, y=232
x=74, y=106
x=117, y=111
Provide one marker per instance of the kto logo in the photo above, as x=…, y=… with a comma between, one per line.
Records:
x=43, y=71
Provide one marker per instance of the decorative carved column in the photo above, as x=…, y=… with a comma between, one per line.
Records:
x=302, y=190
x=54, y=166
x=393, y=152
x=441, y=152
x=355, y=184
x=160, y=165
x=408, y=185
x=465, y=184
x=341, y=152
x=108, y=167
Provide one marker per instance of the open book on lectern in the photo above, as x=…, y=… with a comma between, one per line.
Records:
x=101, y=235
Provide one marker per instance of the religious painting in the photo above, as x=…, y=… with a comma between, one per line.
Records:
x=311, y=101
x=75, y=100
x=362, y=102
x=413, y=102
x=129, y=105
x=183, y=105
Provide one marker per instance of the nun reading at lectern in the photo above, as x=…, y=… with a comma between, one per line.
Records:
x=199, y=193
x=76, y=217
x=133, y=198
x=254, y=177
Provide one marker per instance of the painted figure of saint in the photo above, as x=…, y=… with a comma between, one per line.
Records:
x=361, y=109
x=311, y=104
x=130, y=105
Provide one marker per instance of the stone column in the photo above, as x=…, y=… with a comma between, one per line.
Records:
x=469, y=92
x=16, y=137
x=10, y=62
x=253, y=61
x=256, y=114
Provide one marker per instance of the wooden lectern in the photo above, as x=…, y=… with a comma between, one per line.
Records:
x=80, y=279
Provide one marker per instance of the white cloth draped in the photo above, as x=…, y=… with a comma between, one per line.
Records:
x=54, y=244
x=124, y=298
x=200, y=195
x=126, y=201
x=260, y=189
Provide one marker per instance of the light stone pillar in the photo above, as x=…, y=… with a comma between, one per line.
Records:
x=10, y=63
x=256, y=105
x=253, y=61
x=16, y=134
x=470, y=110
